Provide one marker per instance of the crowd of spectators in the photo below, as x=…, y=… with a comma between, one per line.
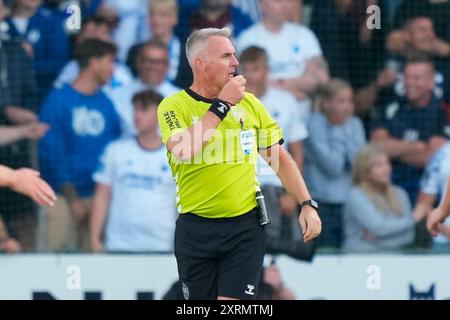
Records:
x=365, y=113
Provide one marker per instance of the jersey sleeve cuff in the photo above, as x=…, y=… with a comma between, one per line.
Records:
x=280, y=142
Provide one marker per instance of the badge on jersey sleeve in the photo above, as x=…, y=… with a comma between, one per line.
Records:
x=247, y=141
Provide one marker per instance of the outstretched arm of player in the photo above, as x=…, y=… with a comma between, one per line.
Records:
x=33, y=131
x=28, y=182
x=438, y=215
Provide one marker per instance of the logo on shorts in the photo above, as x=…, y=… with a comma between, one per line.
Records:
x=250, y=289
x=185, y=290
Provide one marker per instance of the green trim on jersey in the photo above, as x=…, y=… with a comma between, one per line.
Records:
x=221, y=180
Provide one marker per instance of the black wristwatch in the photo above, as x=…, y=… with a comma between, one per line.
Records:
x=311, y=203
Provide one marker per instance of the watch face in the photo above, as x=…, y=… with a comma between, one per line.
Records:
x=314, y=204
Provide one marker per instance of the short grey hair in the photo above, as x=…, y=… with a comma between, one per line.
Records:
x=198, y=38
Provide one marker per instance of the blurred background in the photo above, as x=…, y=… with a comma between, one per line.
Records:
x=361, y=90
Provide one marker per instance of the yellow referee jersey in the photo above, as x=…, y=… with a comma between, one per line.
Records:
x=221, y=180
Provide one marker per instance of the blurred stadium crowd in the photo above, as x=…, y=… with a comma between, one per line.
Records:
x=364, y=111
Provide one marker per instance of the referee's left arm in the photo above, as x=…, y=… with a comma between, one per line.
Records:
x=285, y=167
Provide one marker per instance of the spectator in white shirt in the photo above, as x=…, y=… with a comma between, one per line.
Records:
x=295, y=56
x=152, y=64
x=163, y=19
x=134, y=203
x=132, y=22
x=283, y=108
x=433, y=185
x=440, y=213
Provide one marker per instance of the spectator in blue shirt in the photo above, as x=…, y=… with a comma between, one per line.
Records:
x=18, y=104
x=42, y=34
x=95, y=28
x=88, y=7
x=82, y=122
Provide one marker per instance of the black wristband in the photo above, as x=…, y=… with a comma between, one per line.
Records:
x=220, y=108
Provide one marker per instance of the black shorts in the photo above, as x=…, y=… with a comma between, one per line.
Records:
x=219, y=257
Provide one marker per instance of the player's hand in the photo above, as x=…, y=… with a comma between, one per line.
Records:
x=309, y=223
x=233, y=90
x=28, y=182
x=434, y=220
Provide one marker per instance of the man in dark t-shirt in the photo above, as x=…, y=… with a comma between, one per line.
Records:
x=411, y=129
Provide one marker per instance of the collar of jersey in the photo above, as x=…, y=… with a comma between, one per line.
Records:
x=196, y=96
x=145, y=148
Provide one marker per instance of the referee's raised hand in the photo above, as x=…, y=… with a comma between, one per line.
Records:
x=233, y=91
x=309, y=223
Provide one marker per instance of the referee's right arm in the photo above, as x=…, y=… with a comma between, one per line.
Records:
x=186, y=144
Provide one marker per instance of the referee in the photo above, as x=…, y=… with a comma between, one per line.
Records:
x=213, y=132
